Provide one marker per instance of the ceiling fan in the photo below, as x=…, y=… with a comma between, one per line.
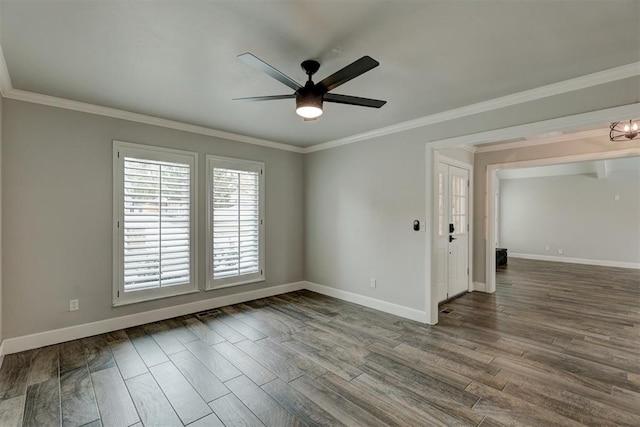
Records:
x=309, y=98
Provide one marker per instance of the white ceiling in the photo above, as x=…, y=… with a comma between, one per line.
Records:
x=177, y=59
x=597, y=168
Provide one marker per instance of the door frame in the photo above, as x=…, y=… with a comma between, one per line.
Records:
x=575, y=121
x=439, y=158
x=493, y=187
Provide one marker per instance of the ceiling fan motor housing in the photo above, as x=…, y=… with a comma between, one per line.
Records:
x=308, y=95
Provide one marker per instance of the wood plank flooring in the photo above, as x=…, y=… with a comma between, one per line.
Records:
x=557, y=345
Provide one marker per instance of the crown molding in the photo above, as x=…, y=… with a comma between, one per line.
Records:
x=582, y=82
x=537, y=128
x=84, y=107
x=7, y=91
x=550, y=140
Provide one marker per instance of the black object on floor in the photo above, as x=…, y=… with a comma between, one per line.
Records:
x=501, y=257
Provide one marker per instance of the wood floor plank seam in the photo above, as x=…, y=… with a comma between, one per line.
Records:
x=555, y=345
x=128, y=391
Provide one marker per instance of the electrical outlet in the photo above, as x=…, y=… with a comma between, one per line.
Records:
x=74, y=305
x=560, y=251
x=546, y=248
x=373, y=283
x=616, y=197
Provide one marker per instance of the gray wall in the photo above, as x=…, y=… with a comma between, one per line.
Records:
x=576, y=213
x=57, y=217
x=342, y=214
x=547, y=151
x=361, y=200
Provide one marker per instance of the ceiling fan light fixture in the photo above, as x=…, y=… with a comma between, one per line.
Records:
x=308, y=105
x=310, y=97
x=623, y=131
x=309, y=111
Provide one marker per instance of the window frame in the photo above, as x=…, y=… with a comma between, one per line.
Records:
x=236, y=164
x=127, y=149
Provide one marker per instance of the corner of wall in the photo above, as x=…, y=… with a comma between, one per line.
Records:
x=479, y=287
x=376, y=304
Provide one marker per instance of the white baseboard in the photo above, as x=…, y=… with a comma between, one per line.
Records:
x=56, y=336
x=387, y=307
x=603, y=263
x=479, y=287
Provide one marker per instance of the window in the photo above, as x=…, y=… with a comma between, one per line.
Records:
x=459, y=204
x=155, y=216
x=235, y=211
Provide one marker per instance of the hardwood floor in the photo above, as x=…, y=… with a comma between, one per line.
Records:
x=557, y=344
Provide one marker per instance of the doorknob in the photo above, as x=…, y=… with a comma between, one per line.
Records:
x=451, y=228
x=451, y=239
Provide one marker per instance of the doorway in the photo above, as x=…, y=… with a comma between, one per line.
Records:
x=493, y=186
x=452, y=229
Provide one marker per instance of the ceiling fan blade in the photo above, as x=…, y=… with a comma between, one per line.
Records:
x=353, y=100
x=265, y=98
x=259, y=64
x=349, y=72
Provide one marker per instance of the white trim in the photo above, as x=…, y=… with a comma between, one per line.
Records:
x=491, y=185
x=600, y=262
x=536, y=128
x=479, y=287
x=453, y=162
x=150, y=152
x=533, y=142
x=570, y=85
x=234, y=284
x=525, y=130
x=582, y=82
x=431, y=297
x=2, y=352
x=439, y=158
x=602, y=170
x=84, y=107
x=376, y=304
x=238, y=165
x=602, y=155
x=41, y=339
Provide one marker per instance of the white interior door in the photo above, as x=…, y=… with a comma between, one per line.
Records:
x=452, y=241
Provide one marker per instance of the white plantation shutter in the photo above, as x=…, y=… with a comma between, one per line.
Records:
x=156, y=223
x=235, y=222
x=155, y=227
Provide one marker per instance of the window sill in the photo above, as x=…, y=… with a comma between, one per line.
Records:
x=231, y=285
x=153, y=298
